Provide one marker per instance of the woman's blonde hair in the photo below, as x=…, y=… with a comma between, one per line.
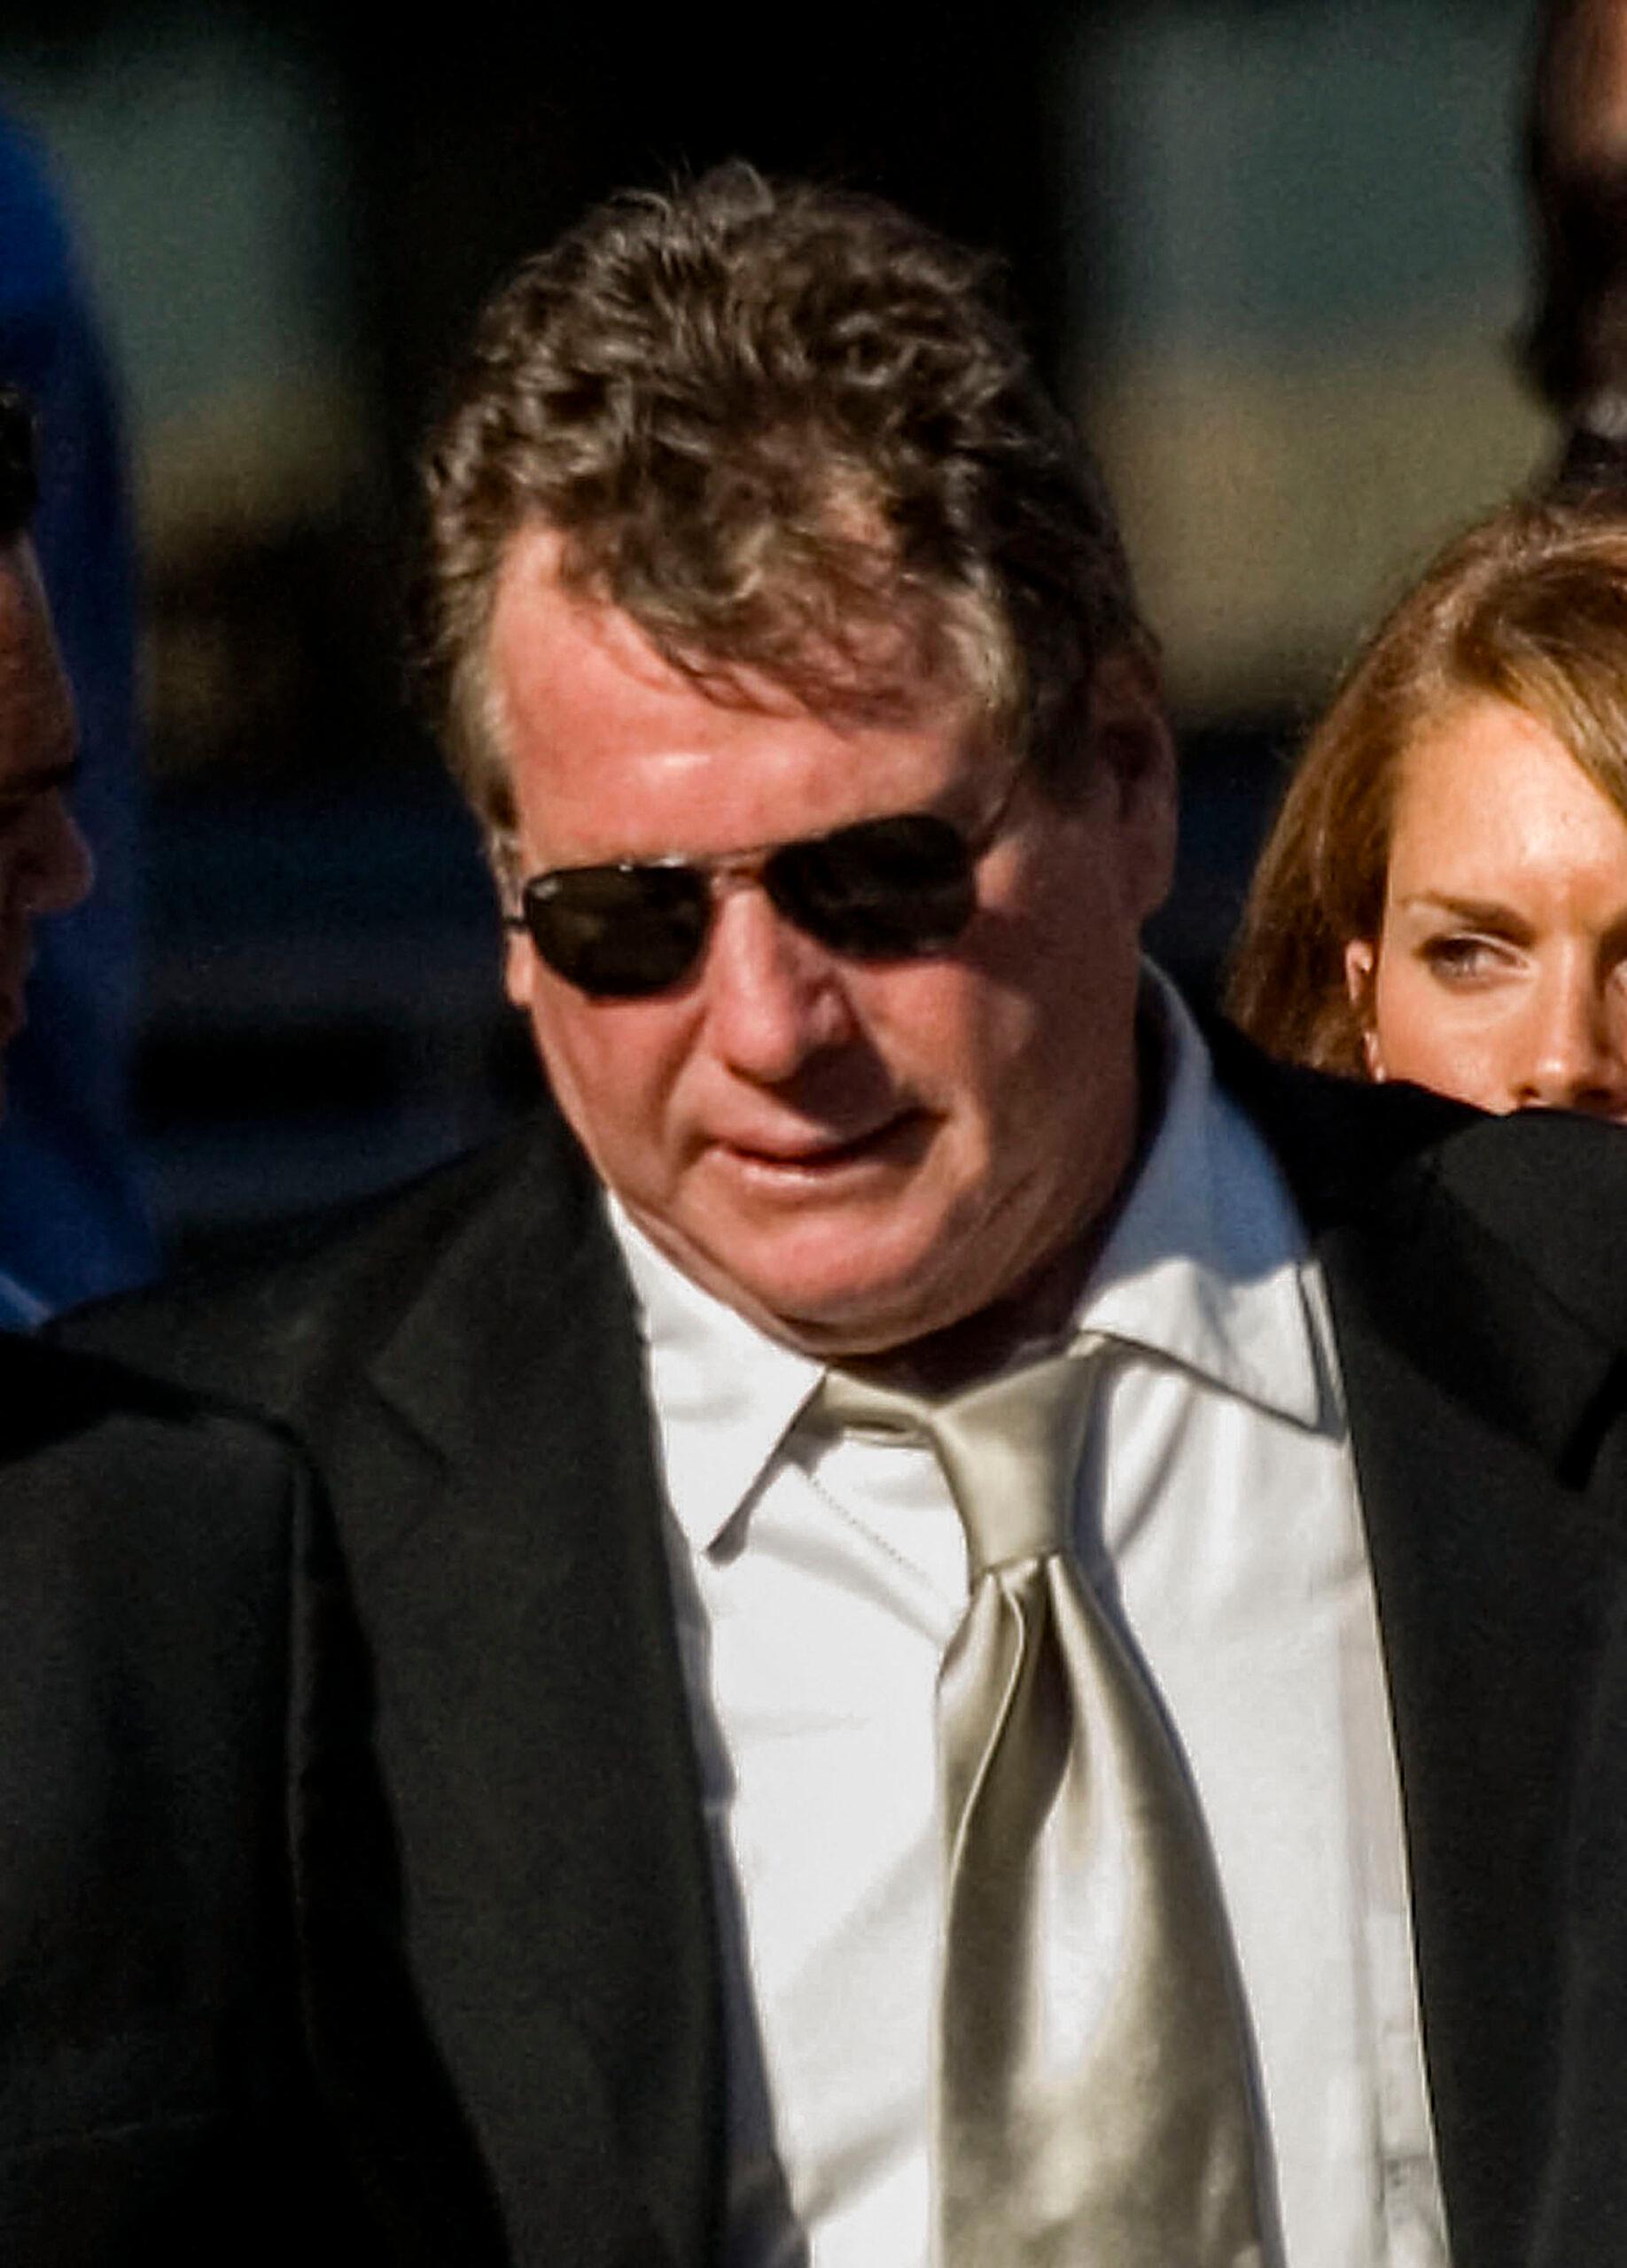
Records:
x=1529, y=607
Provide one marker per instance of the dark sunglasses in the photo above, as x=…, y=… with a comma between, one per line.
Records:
x=882, y=889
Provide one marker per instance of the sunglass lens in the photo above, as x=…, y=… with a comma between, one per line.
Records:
x=618, y=932
x=884, y=887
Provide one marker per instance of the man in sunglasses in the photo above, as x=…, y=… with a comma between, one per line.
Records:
x=782, y=636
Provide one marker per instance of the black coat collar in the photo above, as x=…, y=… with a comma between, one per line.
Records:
x=1479, y=1248
x=1479, y=1309
x=550, y=1802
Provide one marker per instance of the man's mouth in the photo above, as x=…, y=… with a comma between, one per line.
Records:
x=892, y=1141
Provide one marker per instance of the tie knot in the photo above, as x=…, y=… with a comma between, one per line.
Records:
x=1010, y=1448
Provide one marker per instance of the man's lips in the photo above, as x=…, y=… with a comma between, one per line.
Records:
x=811, y=1154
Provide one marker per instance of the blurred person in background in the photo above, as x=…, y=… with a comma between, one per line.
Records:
x=46, y=868
x=1443, y=897
x=1575, y=346
x=180, y=1859
x=767, y=1890
x=72, y=1218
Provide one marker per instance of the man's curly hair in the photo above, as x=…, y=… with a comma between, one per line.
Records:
x=789, y=432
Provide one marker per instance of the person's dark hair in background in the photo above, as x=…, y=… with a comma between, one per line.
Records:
x=1573, y=349
x=833, y=522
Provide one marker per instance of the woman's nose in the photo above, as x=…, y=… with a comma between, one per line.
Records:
x=1575, y=1054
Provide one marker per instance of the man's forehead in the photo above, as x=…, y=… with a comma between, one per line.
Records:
x=552, y=634
x=544, y=626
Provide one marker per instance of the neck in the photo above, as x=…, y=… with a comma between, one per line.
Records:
x=1033, y=1316
x=1037, y=1312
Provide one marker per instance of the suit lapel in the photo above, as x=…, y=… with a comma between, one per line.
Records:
x=1495, y=1598
x=532, y=1707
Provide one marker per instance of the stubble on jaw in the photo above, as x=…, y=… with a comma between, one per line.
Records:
x=1038, y=1311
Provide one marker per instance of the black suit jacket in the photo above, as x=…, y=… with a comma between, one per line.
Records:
x=178, y=1822
x=464, y=1366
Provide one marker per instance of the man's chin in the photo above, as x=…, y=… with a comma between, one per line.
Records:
x=876, y=1289
x=835, y=1312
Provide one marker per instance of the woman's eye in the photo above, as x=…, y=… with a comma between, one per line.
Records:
x=1459, y=959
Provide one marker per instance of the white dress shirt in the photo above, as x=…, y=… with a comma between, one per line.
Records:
x=818, y=1586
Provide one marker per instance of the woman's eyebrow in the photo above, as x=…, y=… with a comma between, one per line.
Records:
x=1487, y=909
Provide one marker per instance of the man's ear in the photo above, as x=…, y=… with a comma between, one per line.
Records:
x=1132, y=744
x=518, y=966
x=1360, y=964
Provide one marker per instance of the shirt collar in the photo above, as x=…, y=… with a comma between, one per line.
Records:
x=725, y=1394
x=1207, y=1264
x=1205, y=1267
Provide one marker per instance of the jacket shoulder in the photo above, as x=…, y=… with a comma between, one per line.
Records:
x=335, y=1287
x=1542, y=1191
x=77, y=1402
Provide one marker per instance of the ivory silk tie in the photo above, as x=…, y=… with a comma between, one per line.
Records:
x=1094, y=2104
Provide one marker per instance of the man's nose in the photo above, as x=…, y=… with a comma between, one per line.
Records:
x=774, y=996
x=1575, y=1054
x=56, y=871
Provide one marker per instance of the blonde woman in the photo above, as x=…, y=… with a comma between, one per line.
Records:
x=1444, y=896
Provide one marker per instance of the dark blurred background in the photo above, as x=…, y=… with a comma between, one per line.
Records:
x=1273, y=253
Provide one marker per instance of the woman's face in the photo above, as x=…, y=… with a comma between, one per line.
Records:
x=1499, y=974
